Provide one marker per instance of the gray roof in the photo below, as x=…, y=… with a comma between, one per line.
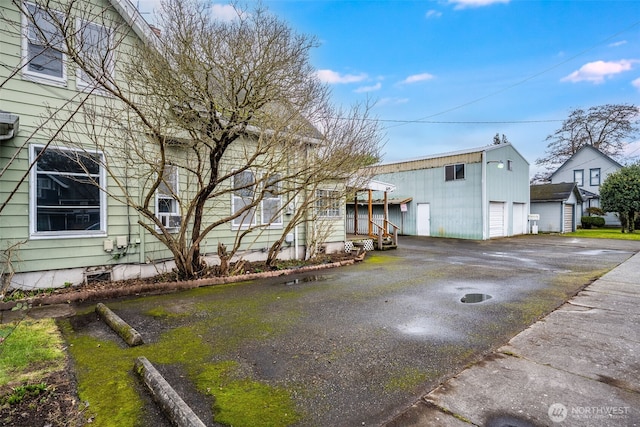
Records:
x=554, y=192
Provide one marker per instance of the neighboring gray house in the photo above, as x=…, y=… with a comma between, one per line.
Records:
x=472, y=194
x=559, y=206
x=588, y=168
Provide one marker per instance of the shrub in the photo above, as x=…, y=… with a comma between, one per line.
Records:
x=592, y=221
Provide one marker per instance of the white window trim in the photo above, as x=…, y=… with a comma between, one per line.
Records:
x=591, y=177
x=174, y=214
x=32, y=75
x=279, y=220
x=330, y=209
x=464, y=172
x=33, y=200
x=81, y=84
x=238, y=223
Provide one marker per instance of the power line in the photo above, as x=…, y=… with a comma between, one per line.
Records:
x=531, y=77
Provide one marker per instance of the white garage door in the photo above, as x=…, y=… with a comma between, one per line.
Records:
x=568, y=219
x=519, y=218
x=496, y=219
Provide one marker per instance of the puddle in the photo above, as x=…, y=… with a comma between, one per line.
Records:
x=305, y=279
x=473, y=298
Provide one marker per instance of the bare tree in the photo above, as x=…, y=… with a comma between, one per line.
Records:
x=214, y=116
x=605, y=127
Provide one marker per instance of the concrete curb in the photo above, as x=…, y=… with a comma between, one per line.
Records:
x=122, y=328
x=171, y=403
x=162, y=287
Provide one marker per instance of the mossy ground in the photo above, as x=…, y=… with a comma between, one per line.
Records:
x=105, y=368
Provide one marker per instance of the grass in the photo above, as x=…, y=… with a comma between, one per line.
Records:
x=29, y=350
x=604, y=233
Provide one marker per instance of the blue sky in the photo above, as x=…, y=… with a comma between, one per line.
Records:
x=449, y=75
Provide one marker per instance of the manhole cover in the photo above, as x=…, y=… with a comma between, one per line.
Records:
x=473, y=298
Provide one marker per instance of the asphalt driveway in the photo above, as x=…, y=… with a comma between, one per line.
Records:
x=356, y=345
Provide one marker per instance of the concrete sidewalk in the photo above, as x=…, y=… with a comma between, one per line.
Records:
x=579, y=366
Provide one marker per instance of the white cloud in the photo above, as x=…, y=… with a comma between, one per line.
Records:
x=598, y=71
x=433, y=14
x=464, y=4
x=418, y=78
x=391, y=101
x=636, y=83
x=620, y=43
x=364, y=89
x=332, y=77
x=223, y=12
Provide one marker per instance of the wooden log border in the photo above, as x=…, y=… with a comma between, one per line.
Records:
x=122, y=328
x=178, y=412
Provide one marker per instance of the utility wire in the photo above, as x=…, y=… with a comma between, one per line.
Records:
x=531, y=77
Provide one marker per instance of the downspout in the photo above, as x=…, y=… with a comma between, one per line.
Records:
x=295, y=229
x=485, y=205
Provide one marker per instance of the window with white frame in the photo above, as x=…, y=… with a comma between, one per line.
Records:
x=578, y=177
x=167, y=207
x=66, y=199
x=328, y=203
x=94, y=45
x=42, y=45
x=244, y=187
x=594, y=177
x=272, y=202
x=509, y=165
x=454, y=172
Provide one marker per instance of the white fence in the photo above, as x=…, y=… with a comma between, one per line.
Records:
x=363, y=223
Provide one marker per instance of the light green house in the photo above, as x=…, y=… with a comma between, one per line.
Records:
x=479, y=193
x=58, y=229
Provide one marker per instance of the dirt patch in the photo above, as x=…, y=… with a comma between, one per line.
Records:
x=56, y=405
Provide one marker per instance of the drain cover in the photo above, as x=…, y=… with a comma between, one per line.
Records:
x=473, y=298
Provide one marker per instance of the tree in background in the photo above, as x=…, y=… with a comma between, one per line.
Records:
x=498, y=141
x=620, y=193
x=210, y=112
x=605, y=127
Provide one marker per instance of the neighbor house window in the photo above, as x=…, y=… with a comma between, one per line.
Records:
x=167, y=207
x=328, y=203
x=66, y=196
x=94, y=45
x=42, y=44
x=578, y=177
x=272, y=202
x=454, y=172
x=594, y=177
x=244, y=186
x=509, y=165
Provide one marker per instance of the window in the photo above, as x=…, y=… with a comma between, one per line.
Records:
x=272, y=202
x=42, y=44
x=454, y=172
x=94, y=44
x=167, y=208
x=328, y=203
x=244, y=185
x=509, y=165
x=578, y=177
x=594, y=177
x=66, y=199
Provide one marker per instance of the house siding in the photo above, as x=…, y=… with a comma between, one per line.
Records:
x=41, y=260
x=586, y=159
x=460, y=208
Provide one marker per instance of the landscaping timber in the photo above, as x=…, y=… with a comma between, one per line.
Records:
x=122, y=328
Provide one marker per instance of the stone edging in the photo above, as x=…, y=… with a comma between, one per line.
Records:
x=162, y=287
